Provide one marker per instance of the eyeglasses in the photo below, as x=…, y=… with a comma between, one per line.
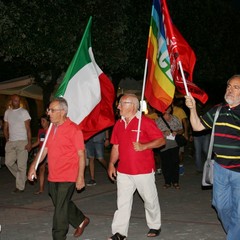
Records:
x=52, y=110
x=122, y=103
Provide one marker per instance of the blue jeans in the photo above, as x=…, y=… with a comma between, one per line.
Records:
x=226, y=200
x=95, y=149
x=201, y=144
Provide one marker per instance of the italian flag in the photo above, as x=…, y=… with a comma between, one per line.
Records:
x=89, y=92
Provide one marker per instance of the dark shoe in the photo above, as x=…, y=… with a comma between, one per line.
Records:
x=16, y=190
x=176, y=185
x=79, y=231
x=166, y=186
x=92, y=182
x=153, y=232
x=117, y=236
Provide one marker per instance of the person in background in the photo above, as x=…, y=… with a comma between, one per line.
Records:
x=182, y=116
x=135, y=167
x=169, y=154
x=95, y=150
x=17, y=133
x=201, y=141
x=66, y=164
x=226, y=177
x=152, y=114
x=41, y=136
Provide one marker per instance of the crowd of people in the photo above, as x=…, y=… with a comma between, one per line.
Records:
x=137, y=154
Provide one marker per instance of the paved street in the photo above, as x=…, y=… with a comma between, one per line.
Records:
x=186, y=213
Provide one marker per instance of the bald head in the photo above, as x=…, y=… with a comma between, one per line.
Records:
x=15, y=101
x=128, y=105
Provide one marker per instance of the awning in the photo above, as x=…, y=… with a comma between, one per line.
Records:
x=24, y=86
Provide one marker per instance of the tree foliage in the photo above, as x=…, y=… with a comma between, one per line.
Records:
x=211, y=28
x=41, y=37
x=38, y=34
x=44, y=35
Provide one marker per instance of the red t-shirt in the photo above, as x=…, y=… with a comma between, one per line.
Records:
x=130, y=161
x=63, y=144
x=41, y=136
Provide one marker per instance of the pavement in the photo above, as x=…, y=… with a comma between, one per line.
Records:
x=187, y=213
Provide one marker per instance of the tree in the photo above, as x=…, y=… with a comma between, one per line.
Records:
x=211, y=29
x=41, y=37
x=35, y=34
x=44, y=35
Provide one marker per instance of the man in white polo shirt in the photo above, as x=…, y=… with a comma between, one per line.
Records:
x=17, y=132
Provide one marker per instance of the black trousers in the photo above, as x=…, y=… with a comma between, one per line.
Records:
x=65, y=212
x=170, y=165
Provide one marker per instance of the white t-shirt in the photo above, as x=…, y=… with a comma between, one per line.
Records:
x=16, y=121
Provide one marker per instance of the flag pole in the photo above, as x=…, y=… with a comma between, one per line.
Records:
x=144, y=83
x=42, y=148
x=183, y=77
x=141, y=102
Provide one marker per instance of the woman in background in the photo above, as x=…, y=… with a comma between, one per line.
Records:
x=41, y=136
x=170, y=152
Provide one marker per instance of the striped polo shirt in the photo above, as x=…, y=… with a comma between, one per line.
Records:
x=226, y=145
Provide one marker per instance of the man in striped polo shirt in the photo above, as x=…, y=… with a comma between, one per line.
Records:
x=226, y=148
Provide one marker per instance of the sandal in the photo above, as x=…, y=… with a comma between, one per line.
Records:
x=117, y=236
x=176, y=186
x=153, y=232
x=165, y=186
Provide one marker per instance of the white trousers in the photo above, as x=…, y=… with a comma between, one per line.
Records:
x=146, y=187
x=16, y=157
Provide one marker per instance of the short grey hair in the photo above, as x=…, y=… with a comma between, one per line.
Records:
x=62, y=103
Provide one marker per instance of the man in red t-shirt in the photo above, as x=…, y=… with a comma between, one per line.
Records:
x=66, y=164
x=136, y=166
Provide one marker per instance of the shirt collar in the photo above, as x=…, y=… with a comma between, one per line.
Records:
x=233, y=108
x=137, y=115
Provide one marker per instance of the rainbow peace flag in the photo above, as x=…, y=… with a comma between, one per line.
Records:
x=160, y=86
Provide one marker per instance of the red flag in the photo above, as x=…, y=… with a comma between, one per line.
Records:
x=193, y=89
x=180, y=51
x=184, y=53
x=102, y=116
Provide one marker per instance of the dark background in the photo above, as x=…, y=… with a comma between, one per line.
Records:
x=39, y=38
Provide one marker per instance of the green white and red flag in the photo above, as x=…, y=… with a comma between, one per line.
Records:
x=89, y=92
